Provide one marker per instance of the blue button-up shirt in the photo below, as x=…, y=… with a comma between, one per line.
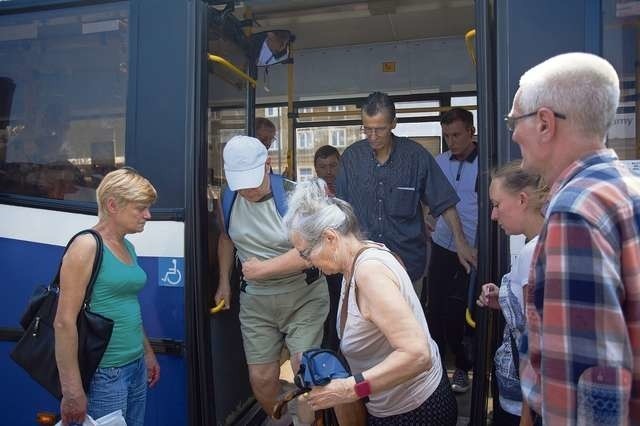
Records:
x=386, y=197
x=463, y=176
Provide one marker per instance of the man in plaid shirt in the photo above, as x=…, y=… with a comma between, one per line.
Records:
x=580, y=360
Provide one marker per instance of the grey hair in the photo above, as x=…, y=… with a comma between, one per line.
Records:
x=311, y=211
x=582, y=86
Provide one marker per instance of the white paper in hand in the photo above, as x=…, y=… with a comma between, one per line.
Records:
x=88, y=421
x=111, y=419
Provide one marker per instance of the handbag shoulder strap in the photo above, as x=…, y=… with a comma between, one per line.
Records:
x=97, y=261
x=345, y=298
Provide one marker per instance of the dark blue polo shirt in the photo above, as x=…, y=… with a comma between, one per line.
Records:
x=386, y=197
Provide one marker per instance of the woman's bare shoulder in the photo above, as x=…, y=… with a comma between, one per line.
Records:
x=81, y=249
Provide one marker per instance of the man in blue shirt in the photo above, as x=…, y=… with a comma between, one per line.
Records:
x=387, y=178
x=448, y=280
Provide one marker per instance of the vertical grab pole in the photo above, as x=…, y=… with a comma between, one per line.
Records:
x=637, y=103
x=487, y=122
x=291, y=158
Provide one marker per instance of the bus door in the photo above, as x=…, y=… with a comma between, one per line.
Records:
x=229, y=110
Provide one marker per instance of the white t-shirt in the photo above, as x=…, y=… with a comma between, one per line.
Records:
x=512, y=307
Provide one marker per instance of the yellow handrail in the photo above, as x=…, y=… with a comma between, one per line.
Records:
x=470, y=41
x=469, y=318
x=217, y=308
x=222, y=61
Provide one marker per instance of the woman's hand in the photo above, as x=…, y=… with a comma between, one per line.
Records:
x=489, y=296
x=73, y=407
x=252, y=269
x=153, y=368
x=151, y=362
x=336, y=392
x=223, y=293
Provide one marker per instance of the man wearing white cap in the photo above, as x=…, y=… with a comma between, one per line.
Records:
x=282, y=301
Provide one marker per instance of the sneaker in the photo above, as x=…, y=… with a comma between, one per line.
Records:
x=460, y=382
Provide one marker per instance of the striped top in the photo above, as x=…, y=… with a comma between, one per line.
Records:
x=580, y=361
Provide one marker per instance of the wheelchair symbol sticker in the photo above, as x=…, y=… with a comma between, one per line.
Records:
x=170, y=272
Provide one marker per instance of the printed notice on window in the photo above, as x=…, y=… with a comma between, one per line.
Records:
x=626, y=8
x=623, y=127
x=633, y=165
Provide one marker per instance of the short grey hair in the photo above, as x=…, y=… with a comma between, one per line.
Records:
x=582, y=86
x=311, y=211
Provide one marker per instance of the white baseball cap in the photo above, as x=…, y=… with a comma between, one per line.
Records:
x=244, y=162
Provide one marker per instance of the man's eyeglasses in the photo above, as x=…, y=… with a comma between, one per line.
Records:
x=511, y=121
x=378, y=131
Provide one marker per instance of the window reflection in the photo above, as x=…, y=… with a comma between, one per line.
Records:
x=620, y=43
x=224, y=123
x=63, y=89
x=279, y=147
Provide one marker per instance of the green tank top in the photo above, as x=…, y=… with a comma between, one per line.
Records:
x=115, y=295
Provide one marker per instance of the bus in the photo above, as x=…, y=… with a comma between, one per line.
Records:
x=90, y=86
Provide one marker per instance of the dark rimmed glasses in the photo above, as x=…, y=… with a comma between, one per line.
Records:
x=511, y=121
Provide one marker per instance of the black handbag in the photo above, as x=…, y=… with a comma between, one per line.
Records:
x=35, y=351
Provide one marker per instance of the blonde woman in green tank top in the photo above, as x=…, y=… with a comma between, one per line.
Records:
x=129, y=364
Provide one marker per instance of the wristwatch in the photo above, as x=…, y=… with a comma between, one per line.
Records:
x=362, y=387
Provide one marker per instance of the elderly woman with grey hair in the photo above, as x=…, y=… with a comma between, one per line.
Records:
x=384, y=334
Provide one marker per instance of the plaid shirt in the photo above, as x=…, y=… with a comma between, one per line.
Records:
x=581, y=357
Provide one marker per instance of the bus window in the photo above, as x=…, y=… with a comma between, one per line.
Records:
x=426, y=133
x=329, y=113
x=224, y=124
x=620, y=44
x=309, y=139
x=278, y=150
x=63, y=92
x=467, y=102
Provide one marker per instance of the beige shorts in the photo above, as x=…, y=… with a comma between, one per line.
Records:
x=296, y=319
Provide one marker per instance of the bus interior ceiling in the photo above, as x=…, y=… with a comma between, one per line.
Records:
x=340, y=46
x=330, y=23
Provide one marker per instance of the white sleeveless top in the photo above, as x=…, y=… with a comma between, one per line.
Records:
x=364, y=345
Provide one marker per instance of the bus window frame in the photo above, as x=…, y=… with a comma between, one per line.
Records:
x=444, y=99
